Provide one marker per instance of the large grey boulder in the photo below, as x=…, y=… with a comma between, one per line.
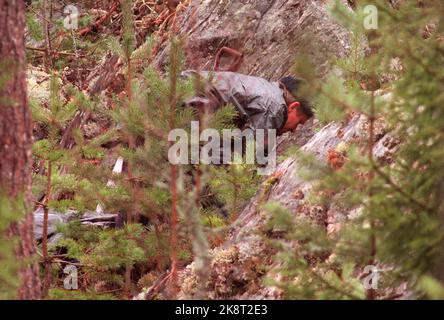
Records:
x=235, y=273
x=270, y=33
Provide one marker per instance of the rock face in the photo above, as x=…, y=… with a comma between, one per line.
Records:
x=270, y=34
x=238, y=265
x=54, y=219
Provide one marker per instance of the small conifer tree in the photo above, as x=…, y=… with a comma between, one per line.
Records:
x=396, y=230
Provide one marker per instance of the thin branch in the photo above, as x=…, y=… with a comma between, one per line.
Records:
x=48, y=57
x=99, y=21
x=401, y=191
x=64, y=53
x=371, y=293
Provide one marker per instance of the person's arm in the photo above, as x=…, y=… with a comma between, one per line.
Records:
x=236, y=55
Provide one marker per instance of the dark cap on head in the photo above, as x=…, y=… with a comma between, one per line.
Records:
x=293, y=84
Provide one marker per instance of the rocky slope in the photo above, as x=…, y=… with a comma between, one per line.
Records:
x=242, y=262
x=270, y=33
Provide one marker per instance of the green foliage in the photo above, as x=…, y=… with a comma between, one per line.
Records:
x=223, y=118
x=431, y=287
x=212, y=219
x=235, y=184
x=77, y=51
x=146, y=115
x=34, y=27
x=306, y=274
x=10, y=212
x=324, y=111
x=140, y=119
x=396, y=221
x=61, y=294
x=103, y=253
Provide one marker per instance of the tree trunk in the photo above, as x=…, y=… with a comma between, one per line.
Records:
x=16, y=138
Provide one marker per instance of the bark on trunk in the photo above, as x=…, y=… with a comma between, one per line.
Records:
x=16, y=139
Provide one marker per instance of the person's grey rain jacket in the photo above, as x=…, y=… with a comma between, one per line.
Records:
x=260, y=103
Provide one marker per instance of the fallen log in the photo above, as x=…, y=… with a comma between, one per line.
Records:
x=55, y=219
